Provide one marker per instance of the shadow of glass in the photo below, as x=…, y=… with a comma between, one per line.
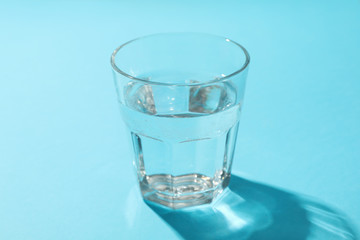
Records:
x=254, y=211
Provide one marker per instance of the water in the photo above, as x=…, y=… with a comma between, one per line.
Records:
x=183, y=139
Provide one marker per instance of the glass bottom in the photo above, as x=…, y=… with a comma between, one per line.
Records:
x=183, y=191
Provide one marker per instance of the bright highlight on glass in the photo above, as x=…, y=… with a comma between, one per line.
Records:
x=180, y=96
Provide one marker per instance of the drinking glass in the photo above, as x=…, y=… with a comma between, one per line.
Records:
x=180, y=95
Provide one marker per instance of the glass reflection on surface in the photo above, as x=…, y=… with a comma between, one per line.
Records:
x=254, y=211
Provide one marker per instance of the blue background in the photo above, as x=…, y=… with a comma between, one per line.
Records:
x=65, y=161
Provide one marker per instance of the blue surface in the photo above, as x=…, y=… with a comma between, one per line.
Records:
x=65, y=161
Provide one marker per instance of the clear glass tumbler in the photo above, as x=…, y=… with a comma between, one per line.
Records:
x=180, y=96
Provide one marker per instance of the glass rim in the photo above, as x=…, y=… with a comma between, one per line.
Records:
x=217, y=80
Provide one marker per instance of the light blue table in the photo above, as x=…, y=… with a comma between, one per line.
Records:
x=65, y=161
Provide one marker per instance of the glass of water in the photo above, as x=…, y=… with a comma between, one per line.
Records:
x=180, y=95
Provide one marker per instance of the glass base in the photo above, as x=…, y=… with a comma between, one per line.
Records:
x=182, y=191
